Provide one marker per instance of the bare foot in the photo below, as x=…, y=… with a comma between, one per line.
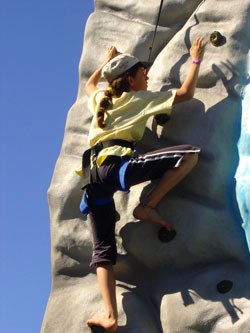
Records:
x=110, y=324
x=150, y=214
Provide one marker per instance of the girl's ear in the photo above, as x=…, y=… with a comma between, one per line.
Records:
x=131, y=81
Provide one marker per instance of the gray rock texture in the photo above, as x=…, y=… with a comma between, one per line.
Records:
x=162, y=287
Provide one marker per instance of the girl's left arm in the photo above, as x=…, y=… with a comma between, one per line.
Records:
x=187, y=89
x=92, y=82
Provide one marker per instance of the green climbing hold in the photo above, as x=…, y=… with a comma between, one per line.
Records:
x=97, y=329
x=216, y=38
x=165, y=235
x=162, y=118
x=224, y=286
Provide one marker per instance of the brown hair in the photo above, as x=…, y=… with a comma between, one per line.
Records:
x=115, y=88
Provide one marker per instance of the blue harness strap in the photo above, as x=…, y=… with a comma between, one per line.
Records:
x=122, y=172
x=84, y=208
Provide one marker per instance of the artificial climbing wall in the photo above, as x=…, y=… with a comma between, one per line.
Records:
x=199, y=281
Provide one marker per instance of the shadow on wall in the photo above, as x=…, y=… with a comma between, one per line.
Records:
x=197, y=284
x=219, y=123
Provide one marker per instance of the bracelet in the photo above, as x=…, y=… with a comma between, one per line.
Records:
x=196, y=62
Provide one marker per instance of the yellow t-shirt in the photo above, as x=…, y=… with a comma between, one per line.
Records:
x=126, y=119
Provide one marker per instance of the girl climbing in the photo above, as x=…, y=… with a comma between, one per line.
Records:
x=120, y=113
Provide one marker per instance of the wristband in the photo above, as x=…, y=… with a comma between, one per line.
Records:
x=196, y=62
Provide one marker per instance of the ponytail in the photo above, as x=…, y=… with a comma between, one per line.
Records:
x=116, y=88
x=104, y=105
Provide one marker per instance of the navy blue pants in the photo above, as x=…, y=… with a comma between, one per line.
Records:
x=136, y=170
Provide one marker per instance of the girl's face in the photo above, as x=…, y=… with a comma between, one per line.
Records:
x=139, y=82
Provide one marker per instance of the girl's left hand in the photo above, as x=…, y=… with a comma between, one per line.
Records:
x=197, y=49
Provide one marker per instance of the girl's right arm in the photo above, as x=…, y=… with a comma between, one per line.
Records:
x=92, y=82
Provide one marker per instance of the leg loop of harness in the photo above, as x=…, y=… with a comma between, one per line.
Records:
x=84, y=205
x=84, y=208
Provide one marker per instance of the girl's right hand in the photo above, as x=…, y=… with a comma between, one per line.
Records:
x=110, y=53
x=197, y=49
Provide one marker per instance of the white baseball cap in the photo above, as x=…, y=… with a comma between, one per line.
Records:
x=120, y=64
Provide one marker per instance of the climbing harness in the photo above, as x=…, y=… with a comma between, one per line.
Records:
x=89, y=158
x=90, y=172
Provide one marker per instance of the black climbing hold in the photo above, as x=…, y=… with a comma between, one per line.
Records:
x=217, y=39
x=224, y=286
x=166, y=235
x=97, y=329
x=162, y=118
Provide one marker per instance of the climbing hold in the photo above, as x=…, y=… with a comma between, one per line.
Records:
x=216, y=38
x=165, y=235
x=97, y=329
x=224, y=286
x=162, y=118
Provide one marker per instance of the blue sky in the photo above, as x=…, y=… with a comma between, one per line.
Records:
x=41, y=44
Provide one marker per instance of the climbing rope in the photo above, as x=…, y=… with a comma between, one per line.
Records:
x=157, y=23
x=156, y=26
